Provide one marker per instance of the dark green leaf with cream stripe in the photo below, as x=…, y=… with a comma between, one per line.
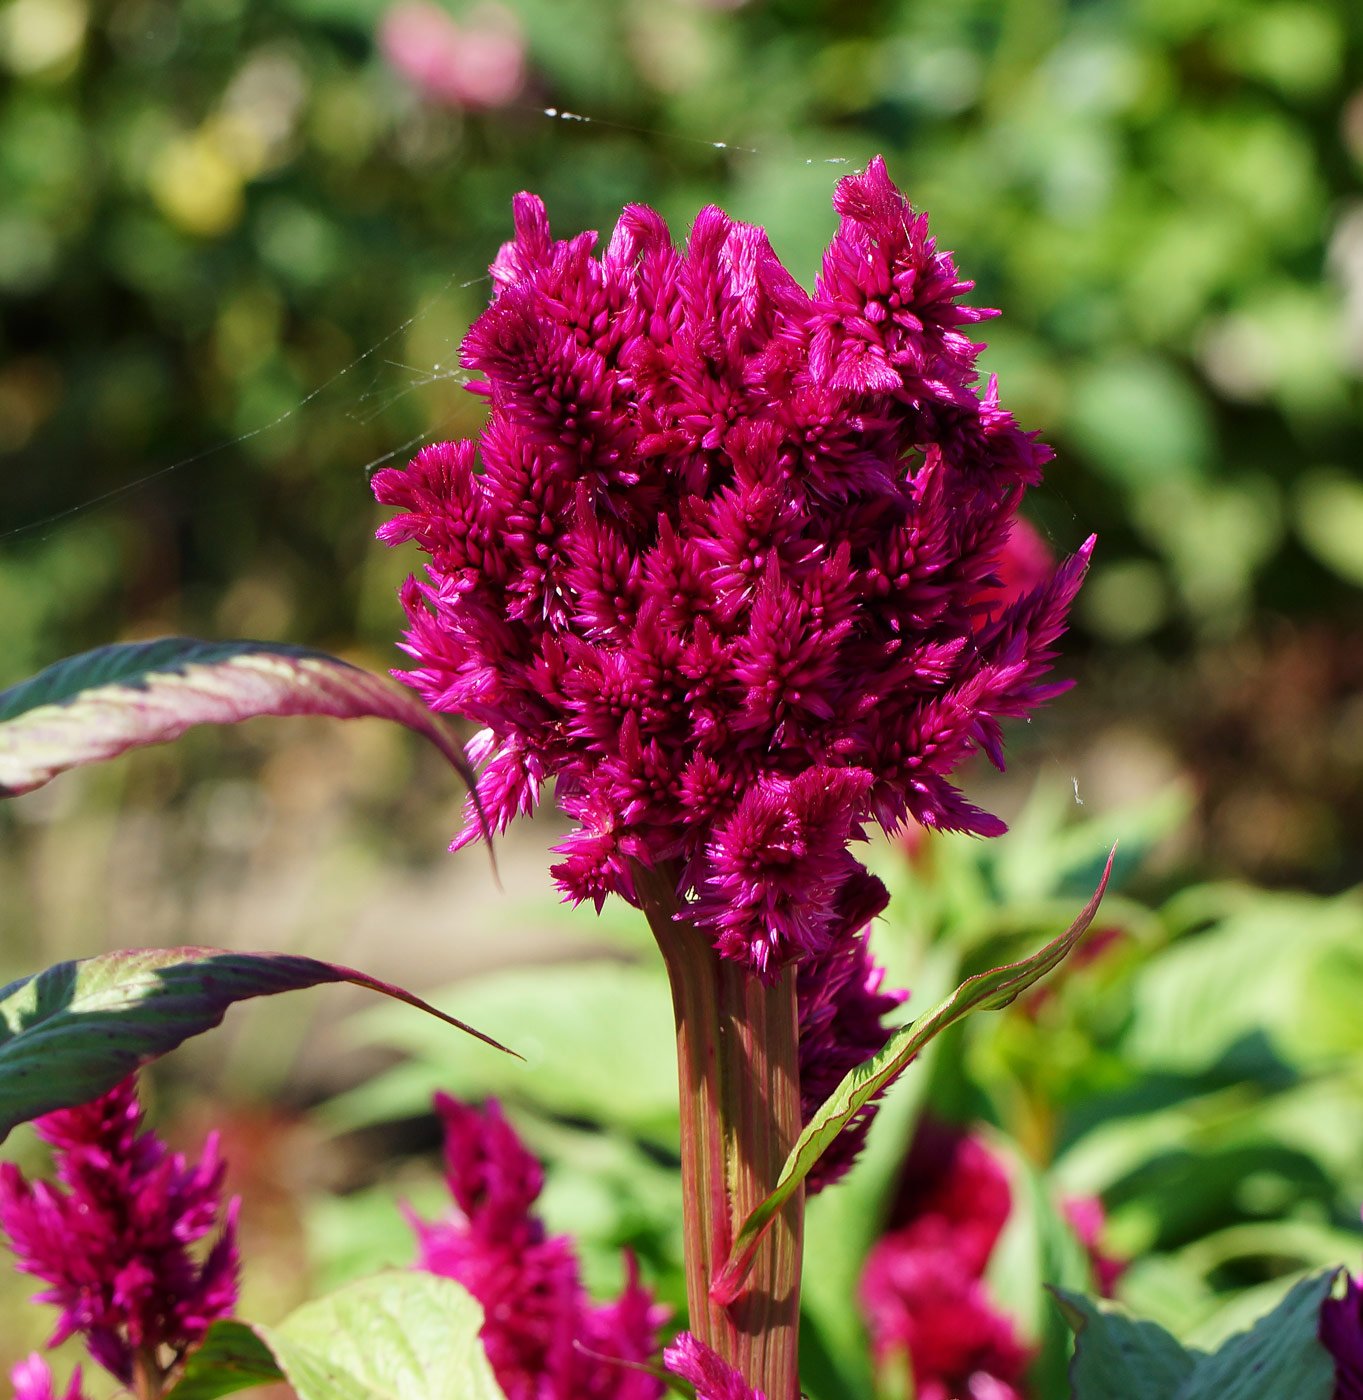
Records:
x=72, y=1032
x=101, y=703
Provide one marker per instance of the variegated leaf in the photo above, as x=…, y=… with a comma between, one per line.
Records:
x=72, y=1032
x=101, y=703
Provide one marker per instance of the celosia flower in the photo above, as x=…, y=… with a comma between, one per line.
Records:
x=1087, y=1219
x=712, y=1376
x=113, y=1239
x=1341, y=1333
x=544, y=1338
x=33, y=1381
x=842, y=1011
x=922, y=1289
x=721, y=561
x=478, y=64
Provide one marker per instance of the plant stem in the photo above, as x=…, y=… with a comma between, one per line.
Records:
x=739, y=1080
x=148, y=1374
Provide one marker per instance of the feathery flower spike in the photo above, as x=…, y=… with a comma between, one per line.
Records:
x=713, y=1377
x=544, y=1338
x=726, y=560
x=112, y=1237
x=33, y=1381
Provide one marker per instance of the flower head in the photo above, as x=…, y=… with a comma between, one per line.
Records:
x=922, y=1289
x=712, y=1376
x=725, y=561
x=544, y=1338
x=113, y=1237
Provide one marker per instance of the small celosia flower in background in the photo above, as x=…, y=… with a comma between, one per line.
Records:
x=725, y=561
x=477, y=64
x=922, y=1289
x=113, y=1239
x=544, y=1338
x=712, y=1376
x=33, y=1381
x=1087, y=1218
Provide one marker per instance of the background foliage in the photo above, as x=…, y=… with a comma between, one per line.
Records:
x=237, y=254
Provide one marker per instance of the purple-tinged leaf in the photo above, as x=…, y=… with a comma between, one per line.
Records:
x=72, y=1032
x=101, y=703
x=987, y=990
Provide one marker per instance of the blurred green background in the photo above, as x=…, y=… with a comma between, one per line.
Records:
x=238, y=250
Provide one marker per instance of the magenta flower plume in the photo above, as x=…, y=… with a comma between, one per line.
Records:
x=712, y=1376
x=113, y=1238
x=33, y=1381
x=842, y=1011
x=544, y=1338
x=724, y=562
x=922, y=1291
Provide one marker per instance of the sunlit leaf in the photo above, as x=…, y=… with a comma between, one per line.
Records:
x=397, y=1336
x=72, y=1032
x=987, y=990
x=102, y=703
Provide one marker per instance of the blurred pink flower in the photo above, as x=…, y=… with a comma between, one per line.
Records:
x=1087, y=1219
x=480, y=63
x=922, y=1290
x=33, y=1381
x=544, y=1337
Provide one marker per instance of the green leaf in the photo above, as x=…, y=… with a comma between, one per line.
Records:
x=1119, y=1357
x=102, y=703
x=396, y=1336
x=987, y=990
x=72, y=1032
x=1280, y=1358
x=230, y=1357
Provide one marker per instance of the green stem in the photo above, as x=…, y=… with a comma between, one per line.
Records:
x=739, y=1080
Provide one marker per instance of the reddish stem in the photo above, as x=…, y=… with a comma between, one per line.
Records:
x=148, y=1374
x=739, y=1080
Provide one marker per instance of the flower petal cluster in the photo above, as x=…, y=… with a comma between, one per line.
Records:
x=922, y=1289
x=842, y=1011
x=113, y=1237
x=712, y=1376
x=544, y=1338
x=32, y=1380
x=724, y=563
